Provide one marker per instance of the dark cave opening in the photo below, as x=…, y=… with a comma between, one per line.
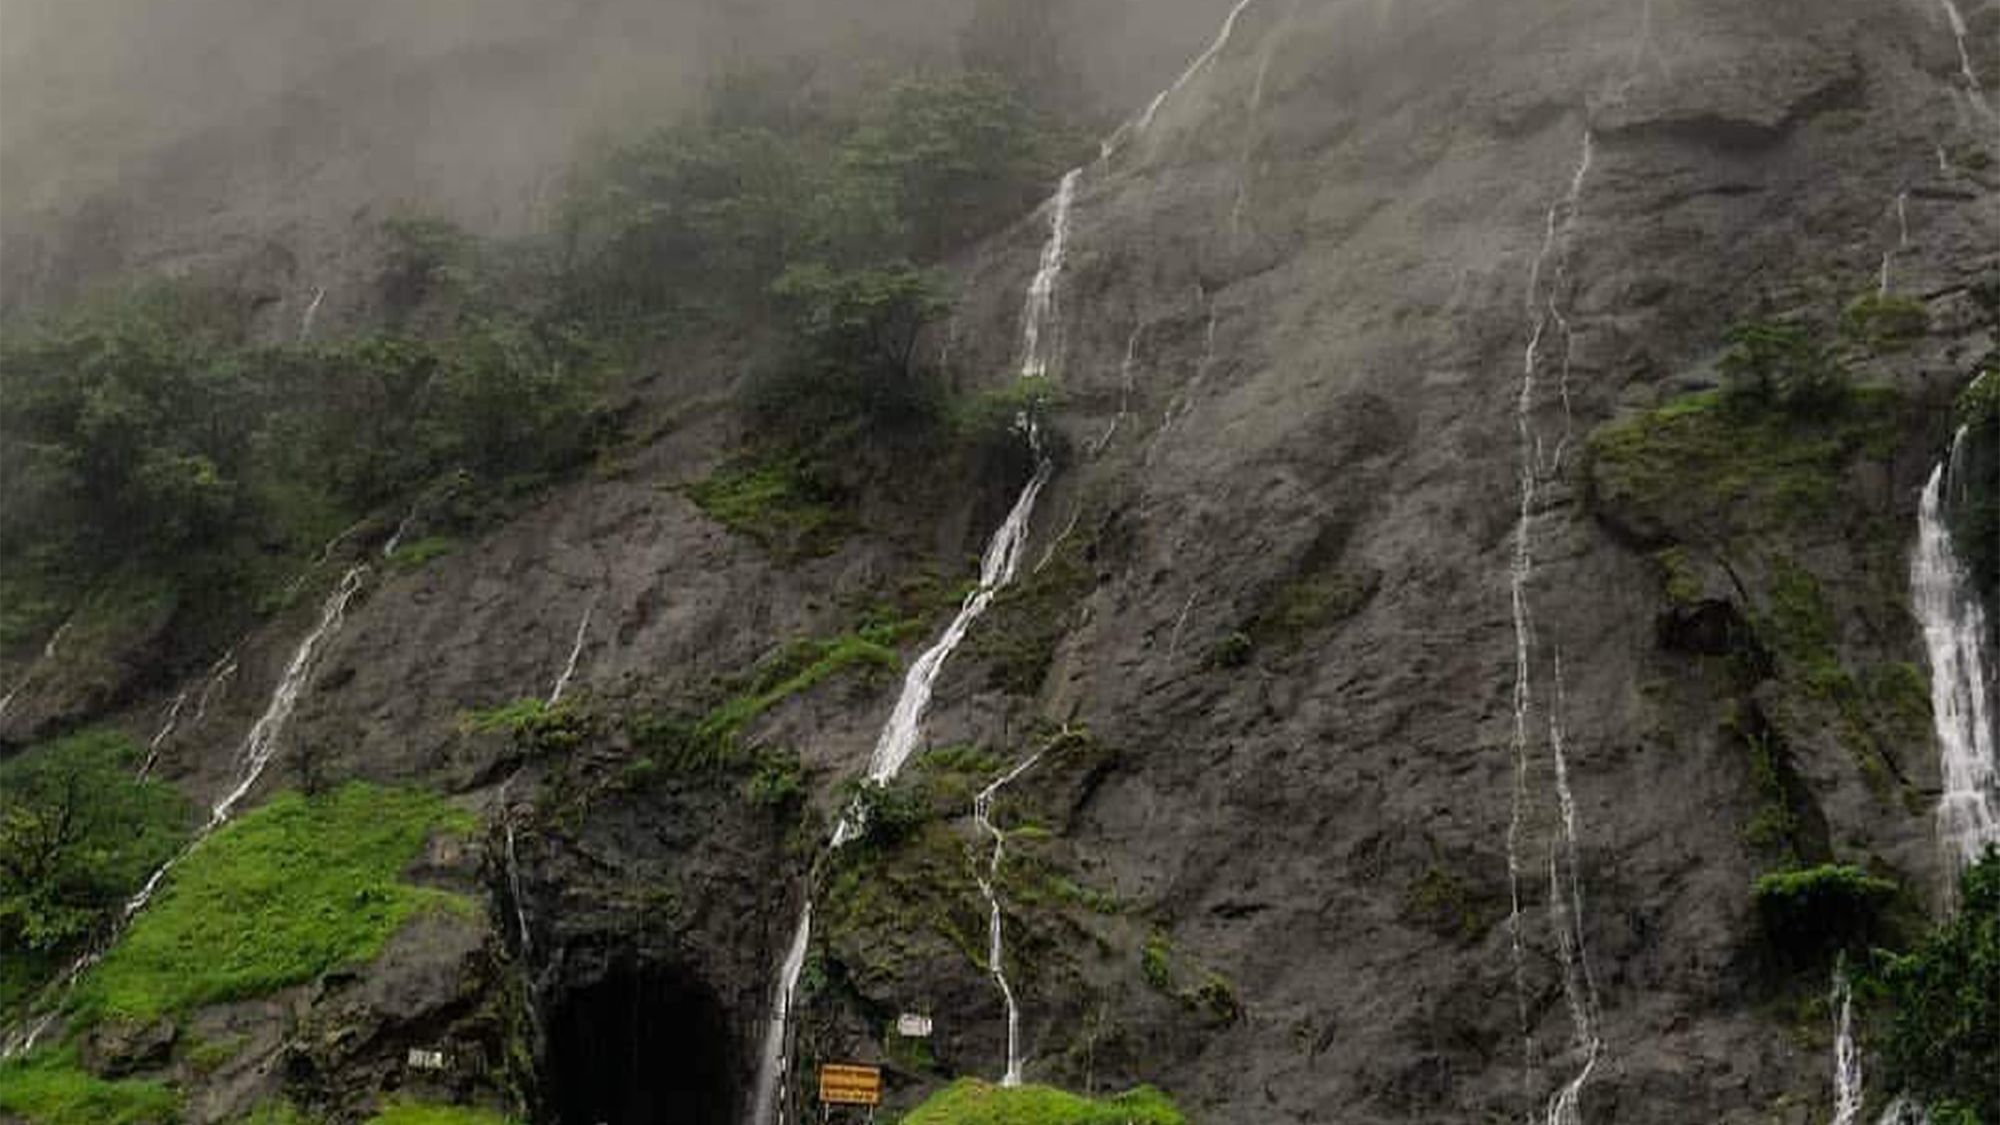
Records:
x=641, y=1046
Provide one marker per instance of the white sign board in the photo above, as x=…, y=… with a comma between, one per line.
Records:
x=421, y=1059
x=909, y=1025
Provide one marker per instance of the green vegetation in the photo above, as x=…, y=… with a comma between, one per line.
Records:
x=779, y=503
x=1943, y=1040
x=1711, y=467
x=1016, y=639
x=49, y=1088
x=289, y=892
x=1882, y=321
x=796, y=668
x=1313, y=601
x=147, y=435
x=1783, y=365
x=78, y=835
x=972, y=1102
x=420, y=1113
x=413, y=555
x=1166, y=969
x=1812, y=912
x=538, y=728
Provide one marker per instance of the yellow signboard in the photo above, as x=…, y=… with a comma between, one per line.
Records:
x=840, y=1084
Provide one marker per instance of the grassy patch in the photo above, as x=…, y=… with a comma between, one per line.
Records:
x=1441, y=902
x=419, y=1113
x=289, y=892
x=50, y=1089
x=780, y=504
x=414, y=554
x=1704, y=468
x=972, y=1102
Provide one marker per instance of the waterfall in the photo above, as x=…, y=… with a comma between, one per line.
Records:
x=262, y=741
x=1954, y=627
x=982, y=814
x=1975, y=92
x=396, y=537
x=218, y=675
x=1543, y=309
x=1902, y=242
x=312, y=310
x=167, y=724
x=252, y=757
x=997, y=567
x=575, y=651
x=1846, y=1055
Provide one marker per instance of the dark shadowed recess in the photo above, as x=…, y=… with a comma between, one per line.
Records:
x=646, y=1043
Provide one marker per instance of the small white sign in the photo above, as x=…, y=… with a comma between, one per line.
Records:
x=421, y=1059
x=909, y=1025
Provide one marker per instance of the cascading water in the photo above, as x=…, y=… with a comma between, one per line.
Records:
x=1543, y=311
x=1974, y=91
x=312, y=310
x=982, y=814
x=1847, y=1091
x=396, y=537
x=575, y=652
x=1954, y=628
x=898, y=739
x=253, y=756
x=1902, y=242
x=166, y=731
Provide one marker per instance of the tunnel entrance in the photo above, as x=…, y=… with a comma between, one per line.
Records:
x=645, y=1045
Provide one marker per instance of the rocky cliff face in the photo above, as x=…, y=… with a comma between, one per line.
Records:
x=1419, y=698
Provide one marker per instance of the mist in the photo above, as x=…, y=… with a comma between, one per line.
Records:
x=184, y=135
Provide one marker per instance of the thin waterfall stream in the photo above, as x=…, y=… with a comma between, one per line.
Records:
x=898, y=739
x=982, y=814
x=252, y=757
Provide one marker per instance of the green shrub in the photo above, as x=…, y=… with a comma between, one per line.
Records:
x=1781, y=364
x=538, y=728
x=781, y=503
x=890, y=813
x=51, y=1089
x=1943, y=1041
x=1814, y=911
x=78, y=834
x=972, y=1102
x=287, y=893
x=1882, y=321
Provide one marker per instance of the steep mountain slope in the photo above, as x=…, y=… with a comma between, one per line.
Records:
x=1424, y=664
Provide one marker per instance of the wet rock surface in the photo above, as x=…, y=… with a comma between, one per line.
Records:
x=1272, y=872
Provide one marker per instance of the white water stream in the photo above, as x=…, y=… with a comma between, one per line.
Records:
x=1543, y=306
x=258, y=747
x=1974, y=91
x=1954, y=627
x=575, y=652
x=982, y=814
x=898, y=740
x=1847, y=1086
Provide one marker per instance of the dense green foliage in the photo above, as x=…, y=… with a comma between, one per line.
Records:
x=146, y=435
x=972, y=1102
x=1813, y=911
x=1784, y=364
x=49, y=1088
x=782, y=503
x=78, y=834
x=1943, y=1042
x=292, y=890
